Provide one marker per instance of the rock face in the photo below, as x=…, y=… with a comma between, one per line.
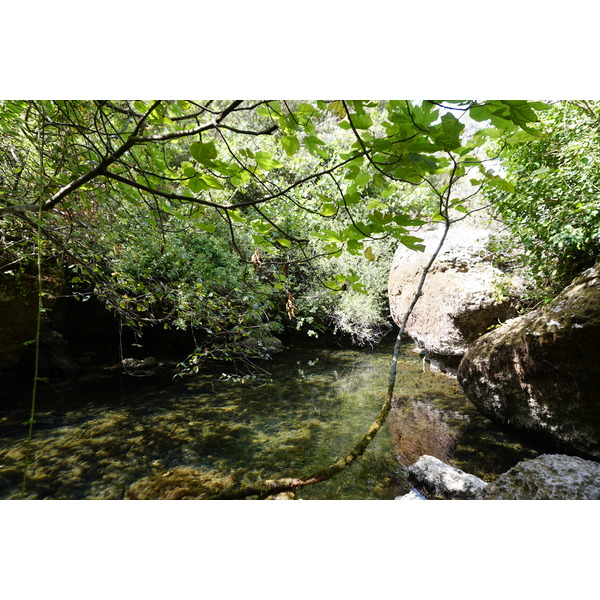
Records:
x=18, y=310
x=459, y=301
x=541, y=372
x=444, y=480
x=548, y=477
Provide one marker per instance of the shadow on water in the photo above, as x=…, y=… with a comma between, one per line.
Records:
x=95, y=439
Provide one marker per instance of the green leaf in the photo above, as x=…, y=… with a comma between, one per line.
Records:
x=196, y=184
x=361, y=121
x=412, y=242
x=524, y=135
x=360, y=288
x=212, y=182
x=312, y=142
x=328, y=235
x=236, y=216
x=354, y=246
x=521, y=112
x=140, y=106
x=447, y=134
x=369, y=254
x=290, y=144
x=362, y=178
x=203, y=152
x=328, y=210
x=265, y=161
x=285, y=243
x=375, y=203
x=501, y=184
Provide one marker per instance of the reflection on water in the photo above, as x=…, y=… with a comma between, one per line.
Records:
x=95, y=440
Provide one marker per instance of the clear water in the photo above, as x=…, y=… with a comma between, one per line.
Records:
x=94, y=439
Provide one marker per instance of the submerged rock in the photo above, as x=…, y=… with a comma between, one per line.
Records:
x=541, y=372
x=182, y=483
x=548, y=477
x=417, y=429
x=443, y=480
x=460, y=299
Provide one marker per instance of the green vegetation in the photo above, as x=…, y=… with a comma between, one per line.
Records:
x=237, y=219
x=551, y=204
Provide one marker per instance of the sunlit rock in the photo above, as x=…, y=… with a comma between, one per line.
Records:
x=460, y=299
x=443, y=480
x=412, y=495
x=282, y=496
x=548, y=477
x=541, y=372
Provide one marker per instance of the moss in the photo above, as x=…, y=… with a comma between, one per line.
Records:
x=181, y=483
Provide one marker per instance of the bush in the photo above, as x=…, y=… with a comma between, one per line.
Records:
x=554, y=211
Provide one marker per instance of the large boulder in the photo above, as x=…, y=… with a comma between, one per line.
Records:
x=460, y=299
x=541, y=372
x=446, y=481
x=548, y=477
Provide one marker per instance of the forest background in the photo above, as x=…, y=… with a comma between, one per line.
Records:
x=332, y=44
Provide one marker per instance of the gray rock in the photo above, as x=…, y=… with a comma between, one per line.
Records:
x=459, y=301
x=548, y=477
x=54, y=359
x=145, y=366
x=443, y=480
x=541, y=372
x=412, y=495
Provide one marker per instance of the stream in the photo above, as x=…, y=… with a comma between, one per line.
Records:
x=94, y=438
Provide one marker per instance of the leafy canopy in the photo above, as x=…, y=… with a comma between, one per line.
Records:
x=156, y=205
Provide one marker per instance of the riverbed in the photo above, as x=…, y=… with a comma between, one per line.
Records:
x=97, y=436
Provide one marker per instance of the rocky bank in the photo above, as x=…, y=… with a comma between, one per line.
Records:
x=540, y=372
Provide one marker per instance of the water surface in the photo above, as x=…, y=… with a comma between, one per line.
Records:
x=94, y=439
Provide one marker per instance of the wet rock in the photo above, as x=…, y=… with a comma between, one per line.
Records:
x=412, y=495
x=282, y=496
x=540, y=372
x=269, y=345
x=460, y=299
x=19, y=310
x=89, y=357
x=548, y=477
x=146, y=366
x=54, y=359
x=443, y=480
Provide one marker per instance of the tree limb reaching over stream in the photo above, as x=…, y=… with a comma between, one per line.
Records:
x=270, y=487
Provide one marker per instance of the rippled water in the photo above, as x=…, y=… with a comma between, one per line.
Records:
x=95, y=439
